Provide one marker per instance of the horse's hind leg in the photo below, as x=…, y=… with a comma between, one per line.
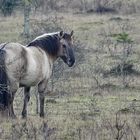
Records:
x=41, y=98
x=13, y=89
x=11, y=108
x=26, y=100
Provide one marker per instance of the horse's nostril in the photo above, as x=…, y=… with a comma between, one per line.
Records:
x=71, y=62
x=64, y=46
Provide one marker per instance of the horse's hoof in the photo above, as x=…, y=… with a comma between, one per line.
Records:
x=13, y=116
x=42, y=115
x=24, y=116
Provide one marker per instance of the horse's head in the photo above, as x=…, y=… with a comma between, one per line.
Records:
x=66, y=48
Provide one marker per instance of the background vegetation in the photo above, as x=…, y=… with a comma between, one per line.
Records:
x=97, y=99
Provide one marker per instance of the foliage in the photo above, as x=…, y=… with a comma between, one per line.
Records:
x=98, y=6
x=7, y=7
x=124, y=38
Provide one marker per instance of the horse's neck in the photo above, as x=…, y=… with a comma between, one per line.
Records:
x=51, y=59
x=51, y=62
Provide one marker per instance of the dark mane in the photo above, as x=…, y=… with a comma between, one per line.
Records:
x=49, y=43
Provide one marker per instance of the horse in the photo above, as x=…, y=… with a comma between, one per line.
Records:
x=32, y=65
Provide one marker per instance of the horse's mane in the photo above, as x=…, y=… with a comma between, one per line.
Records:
x=47, y=42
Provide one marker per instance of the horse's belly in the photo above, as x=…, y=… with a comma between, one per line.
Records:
x=33, y=76
x=29, y=81
x=33, y=79
x=36, y=73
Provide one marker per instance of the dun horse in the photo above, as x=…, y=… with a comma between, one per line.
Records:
x=31, y=65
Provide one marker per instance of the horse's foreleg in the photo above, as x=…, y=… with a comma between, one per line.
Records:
x=26, y=100
x=42, y=88
x=41, y=98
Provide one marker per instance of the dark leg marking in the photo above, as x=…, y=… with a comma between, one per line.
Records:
x=42, y=89
x=11, y=109
x=26, y=100
x=41, y=98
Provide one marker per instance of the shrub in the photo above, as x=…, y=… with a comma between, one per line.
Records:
x=7, y=7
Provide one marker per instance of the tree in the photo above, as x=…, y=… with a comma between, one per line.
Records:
x=27, y=9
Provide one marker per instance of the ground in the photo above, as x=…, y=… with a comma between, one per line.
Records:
x=85, y=104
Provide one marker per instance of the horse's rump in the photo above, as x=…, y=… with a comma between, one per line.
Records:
x=15, y=61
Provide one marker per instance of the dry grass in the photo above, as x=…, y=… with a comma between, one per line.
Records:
x=84, y=105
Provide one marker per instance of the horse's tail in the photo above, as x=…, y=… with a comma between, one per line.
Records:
x=3, y=78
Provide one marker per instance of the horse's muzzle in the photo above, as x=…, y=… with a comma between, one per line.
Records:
x=71, y=62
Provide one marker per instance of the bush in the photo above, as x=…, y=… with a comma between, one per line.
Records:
x=7, y=7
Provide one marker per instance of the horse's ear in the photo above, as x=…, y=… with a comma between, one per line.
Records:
x=61, y=34
x=72, y=33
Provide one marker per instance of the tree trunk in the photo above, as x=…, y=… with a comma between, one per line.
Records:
x=27, y=8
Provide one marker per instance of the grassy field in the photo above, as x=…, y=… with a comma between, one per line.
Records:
x=85, y=104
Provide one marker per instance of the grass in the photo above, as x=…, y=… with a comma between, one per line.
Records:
x=10, y=29
x=80, y=109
